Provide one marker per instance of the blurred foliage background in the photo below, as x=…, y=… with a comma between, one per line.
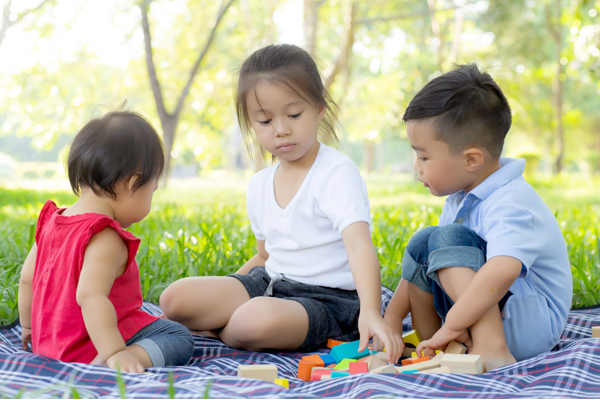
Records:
x=63, y=62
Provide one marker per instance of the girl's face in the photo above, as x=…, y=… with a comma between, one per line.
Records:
x=285, y=124
x=132, y=207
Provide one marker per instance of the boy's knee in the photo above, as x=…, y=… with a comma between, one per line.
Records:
x=251, y=322
x=419, y=242
x=453, y=235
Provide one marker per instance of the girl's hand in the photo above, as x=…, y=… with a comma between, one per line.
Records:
x=442, y=337
x=370, y=324
x=25, y=338
x=125, y=362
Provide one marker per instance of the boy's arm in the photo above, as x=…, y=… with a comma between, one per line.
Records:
x=487, y=288
x=367, y=277
x=258, y=260
x=25, y=296
x=105, y=256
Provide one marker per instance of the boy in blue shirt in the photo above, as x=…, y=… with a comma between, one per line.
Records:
x=496, y=268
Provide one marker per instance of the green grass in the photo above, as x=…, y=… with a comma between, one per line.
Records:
x=204, y=230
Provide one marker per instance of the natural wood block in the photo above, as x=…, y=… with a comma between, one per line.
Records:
x=325, y=377
x=456, y=348
x=440, y=370
x=316, y=359
x=374, y=362
x=265, y=372
x=386, y=369
x=407, y=352
x=412, y=337
x=422, y=366
x=463, y=363
x=438, y=356
x=596, y=331
x=381, y=355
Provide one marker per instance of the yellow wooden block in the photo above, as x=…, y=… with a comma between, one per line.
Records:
x=412, y=337
x=283, y=382
x=265, y=372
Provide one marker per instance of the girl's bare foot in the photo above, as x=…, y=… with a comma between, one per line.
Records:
x=490, y=356
x=99, y=361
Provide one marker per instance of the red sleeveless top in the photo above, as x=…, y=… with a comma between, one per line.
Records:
x=57, y=326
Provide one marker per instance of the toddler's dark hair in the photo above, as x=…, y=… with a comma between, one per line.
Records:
x=117, y=146
x=467, y=108
x=289, y=66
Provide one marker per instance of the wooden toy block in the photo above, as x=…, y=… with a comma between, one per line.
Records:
x=339, y=374
x=386, y=369
x=456, y=348
x=316, y=359
x=410, y=371
x=283, y=382
x=463, y=363
x=327, y=359
x=422, y=366
x=348, y=350
x=345, y=363
x=407, y=352
x=438, y=355
x=381, y=355
x=364, y=359
x=414, y=360
x=596, y=331
x=412, y=337
x=325, y=377
x=331, y=366
x=358, y=368
x=440, y=370
x=265, y=372
x=332, y=343
x=493, y=364
x=374, y=362
x=305, y=369
x=317, y=372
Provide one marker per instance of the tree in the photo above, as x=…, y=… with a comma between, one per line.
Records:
x=7, y=21
x=170, y=120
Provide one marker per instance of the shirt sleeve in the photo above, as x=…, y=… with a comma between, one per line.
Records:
x=341, y=194
x=252, y=212
x=509, y=231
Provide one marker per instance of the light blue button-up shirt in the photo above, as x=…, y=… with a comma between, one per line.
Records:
x=506, y=212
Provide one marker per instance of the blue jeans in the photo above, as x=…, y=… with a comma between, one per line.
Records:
x=437, y=247
x=166, y=342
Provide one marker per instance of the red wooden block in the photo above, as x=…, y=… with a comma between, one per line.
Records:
x=305, y=368
x=331, y=343
x=316, y=374
x=358, y=368
x=314, y=358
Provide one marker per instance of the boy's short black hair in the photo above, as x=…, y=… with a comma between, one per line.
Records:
x=467, y=108
x=117, y=146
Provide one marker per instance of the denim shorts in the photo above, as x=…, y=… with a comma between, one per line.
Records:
x=166, y=342
x=332, y=313
x=437, y=247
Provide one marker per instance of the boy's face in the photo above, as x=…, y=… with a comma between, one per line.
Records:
x=440, y=170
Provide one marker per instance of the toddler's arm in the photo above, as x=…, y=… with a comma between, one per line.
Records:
x=367, y=277
x=105, y=259
x=486, y=289
x=26, y=295
x=258, y=260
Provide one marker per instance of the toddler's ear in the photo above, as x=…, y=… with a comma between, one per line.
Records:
x=132, y=181
x=474, y=158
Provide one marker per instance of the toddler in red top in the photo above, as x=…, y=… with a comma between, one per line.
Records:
x=79, y=293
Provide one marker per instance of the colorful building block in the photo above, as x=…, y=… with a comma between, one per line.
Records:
x=325, y=377
x=358, y=368
x=331, y=366
x=422, y=366
x=317, y=372
x=327, y=359
x=316, y=359
x=414, y=360
x=410, y=371
x=407, y=352
x=440, y=370
x=386, y=369
x=345, y=363
x=463, y=363
x=456, y=348
x=265, y=372
x=305, y=369
x=332, y=343
x=412, y=337
x=283, y=382
x=348, y=350
x=374, y=362
x=339, y=374
x=596, y=331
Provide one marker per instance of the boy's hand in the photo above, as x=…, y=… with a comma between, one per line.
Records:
x=25, y=338
x=126, y=362
x=370, y=323
x=442, y=337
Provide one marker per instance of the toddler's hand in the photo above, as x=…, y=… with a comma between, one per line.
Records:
x=442, y=337
x=25, y=338
x=370, y=323
x=126, y=362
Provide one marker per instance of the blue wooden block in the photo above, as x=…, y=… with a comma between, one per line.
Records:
x=411, y=371
x=348, y=350
x=339, y=374
x=327, y=359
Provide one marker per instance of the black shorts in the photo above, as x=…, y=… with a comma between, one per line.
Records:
x=332, y=313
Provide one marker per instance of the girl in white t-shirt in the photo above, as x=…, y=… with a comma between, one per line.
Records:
x=310, y=215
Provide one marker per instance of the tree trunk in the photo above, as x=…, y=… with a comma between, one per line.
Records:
x=369, y=156
x=555, y=29
x=7, y=23
x=343, y=60
x=459, y=21
x=437, y=31
x=169, y=125
x=311, y=20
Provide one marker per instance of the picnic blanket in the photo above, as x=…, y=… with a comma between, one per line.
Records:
x=571, y=369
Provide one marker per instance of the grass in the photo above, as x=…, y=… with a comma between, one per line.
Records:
x=204, y=230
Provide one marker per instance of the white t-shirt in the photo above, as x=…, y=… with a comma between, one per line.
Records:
x=304, y=240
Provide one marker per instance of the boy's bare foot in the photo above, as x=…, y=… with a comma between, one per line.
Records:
x=99, y=361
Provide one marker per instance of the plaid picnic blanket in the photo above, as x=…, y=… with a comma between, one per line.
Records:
x=572, y=369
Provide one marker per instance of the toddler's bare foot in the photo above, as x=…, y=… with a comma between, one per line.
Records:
x=490, y=357
x=99, y=361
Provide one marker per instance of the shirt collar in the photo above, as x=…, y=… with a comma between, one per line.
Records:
x=511, y=168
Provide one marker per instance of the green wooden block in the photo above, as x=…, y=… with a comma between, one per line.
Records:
x=345, y=363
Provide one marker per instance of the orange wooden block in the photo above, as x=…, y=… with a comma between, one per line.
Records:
x=414, y=360
x=305, y=369
x=331, y=343
x=315, y=358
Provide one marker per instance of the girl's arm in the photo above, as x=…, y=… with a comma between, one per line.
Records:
x=258, y=260
x=367, y=277
x=26, y=295
x=105, y=259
